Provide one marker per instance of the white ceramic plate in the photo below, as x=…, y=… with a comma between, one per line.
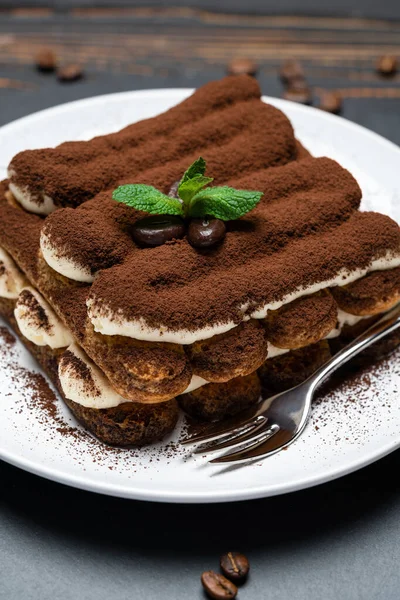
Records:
x=352, y=427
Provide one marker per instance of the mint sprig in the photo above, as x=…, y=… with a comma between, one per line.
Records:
x=195, y=199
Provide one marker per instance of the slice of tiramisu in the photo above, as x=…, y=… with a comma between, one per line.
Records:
x=248, y=272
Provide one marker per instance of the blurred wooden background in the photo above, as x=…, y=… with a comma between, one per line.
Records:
x=132, y=45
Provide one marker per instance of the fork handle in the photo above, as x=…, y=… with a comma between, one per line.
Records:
x=386, y=325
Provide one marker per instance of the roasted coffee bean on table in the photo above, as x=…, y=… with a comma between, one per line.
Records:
x=158, y=229
x=70, y=73
x=235, y=566
x=242, y=66
x=290, y=71
x=330, y=101
x=298, y=92
x=387, y=65
x=217, y=586
x=204, y=233
x=299, y=85
x=46, y=60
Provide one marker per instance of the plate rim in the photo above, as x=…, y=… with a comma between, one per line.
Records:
x=200, y=497
x=149, y=495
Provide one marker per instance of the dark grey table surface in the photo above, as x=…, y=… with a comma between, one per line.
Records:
x=340, y=540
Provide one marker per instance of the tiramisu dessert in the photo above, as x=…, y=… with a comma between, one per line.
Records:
x=186, y=261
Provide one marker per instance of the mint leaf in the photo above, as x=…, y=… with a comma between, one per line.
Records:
x=224, y=203
x=187, y=189
x=148, y=199
x=196, y=168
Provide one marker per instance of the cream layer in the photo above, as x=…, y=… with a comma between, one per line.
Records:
x=45, y=207
x=38, y=322
x=61, y=263
x=82, y=381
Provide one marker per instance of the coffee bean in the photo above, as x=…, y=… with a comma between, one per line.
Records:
x=298, y=92
x=70, y=73
x=387, y=65
x=204, y=233
x=46, y=60
x=235, y=566
x=291, y=70
x=173, y=191
x=242, y=66
x=299, y=85
x=217, y=586
x=330, y=102
x=158, y=229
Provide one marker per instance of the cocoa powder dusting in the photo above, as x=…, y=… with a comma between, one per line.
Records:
x=354, y=390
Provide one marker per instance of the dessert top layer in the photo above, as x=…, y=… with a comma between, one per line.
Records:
x=308, y=210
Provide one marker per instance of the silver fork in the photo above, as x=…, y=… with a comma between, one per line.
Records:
x=276, y=422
